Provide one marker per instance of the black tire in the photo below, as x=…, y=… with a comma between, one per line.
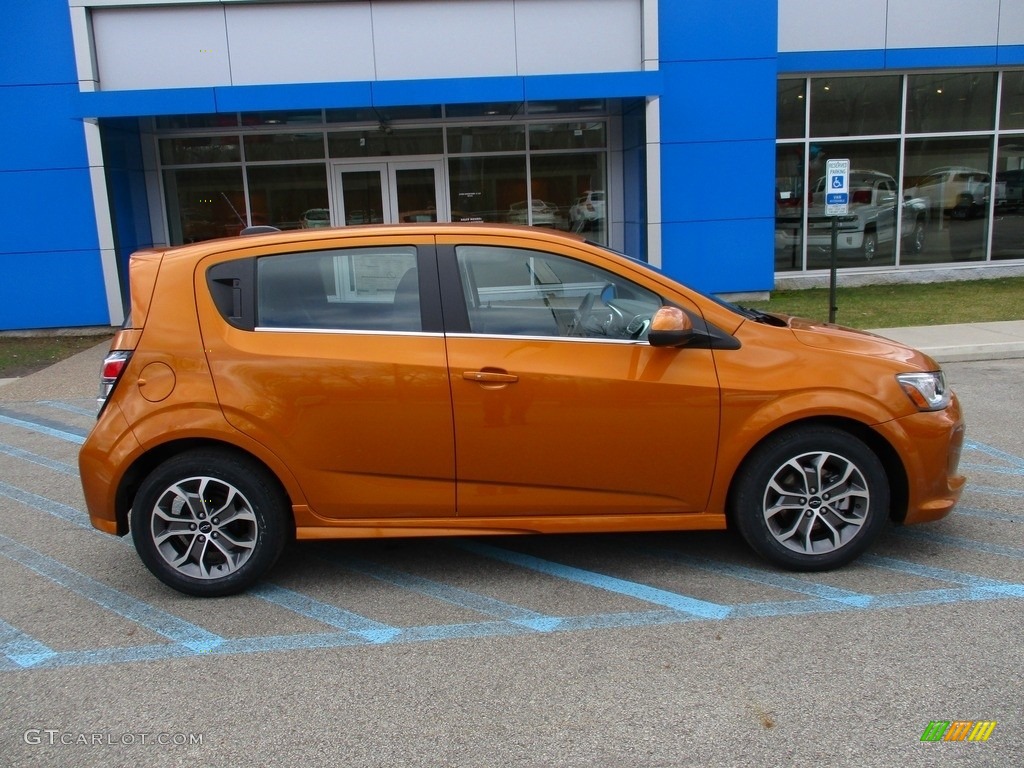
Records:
x=810, y=528
x=210, y=522
x=915, y=244
x=869, y=246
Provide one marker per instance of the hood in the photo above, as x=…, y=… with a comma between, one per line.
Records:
x=854, y=342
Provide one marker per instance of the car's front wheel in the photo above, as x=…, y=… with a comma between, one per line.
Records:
x=811, y=498
x=209, y=522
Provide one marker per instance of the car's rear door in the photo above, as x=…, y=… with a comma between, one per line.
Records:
x=341, y=372
x=561, y=415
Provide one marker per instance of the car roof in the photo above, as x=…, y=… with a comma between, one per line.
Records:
x=255, y=241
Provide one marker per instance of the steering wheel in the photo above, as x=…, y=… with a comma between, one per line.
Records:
x=577, y=317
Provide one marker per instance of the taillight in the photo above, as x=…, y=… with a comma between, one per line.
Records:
x=113, y=366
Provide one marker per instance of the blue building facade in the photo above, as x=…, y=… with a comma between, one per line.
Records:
x=687, y=134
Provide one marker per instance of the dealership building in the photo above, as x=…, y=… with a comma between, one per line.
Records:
x=694, y=135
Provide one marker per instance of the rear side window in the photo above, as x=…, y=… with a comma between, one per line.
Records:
x=357, y=289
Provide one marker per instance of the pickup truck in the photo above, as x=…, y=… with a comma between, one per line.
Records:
x=871, y=220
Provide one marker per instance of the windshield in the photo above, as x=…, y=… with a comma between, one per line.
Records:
x=750, y=314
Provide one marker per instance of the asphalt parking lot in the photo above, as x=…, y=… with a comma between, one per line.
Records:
x=624, y=650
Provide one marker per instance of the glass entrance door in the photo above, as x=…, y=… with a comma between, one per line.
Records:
x=388, y=193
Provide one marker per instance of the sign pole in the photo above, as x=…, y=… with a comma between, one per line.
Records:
x=837, y=203
x=832, y=272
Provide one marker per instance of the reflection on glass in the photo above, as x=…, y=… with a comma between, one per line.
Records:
x=789, y=206
x=384, y=142
x=362, y=197
x=951, y=102
x=197, y=150
x=416, y=192
x=203, y=203
x=284, y=146
x=867, y=234
x=1011, y=114
x=589, y=135
x=490, y=109
x=1008, y=224
x=568, y=193
x=791, y=109
x=297, y=117
x=177, y=122
x=289, y=197
x=486, y=138
x=484, y=188
x=948, y=176
x=383, y=114
x=855, y=106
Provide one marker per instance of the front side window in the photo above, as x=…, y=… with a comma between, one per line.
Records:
x=519, y=292
x=355, y=289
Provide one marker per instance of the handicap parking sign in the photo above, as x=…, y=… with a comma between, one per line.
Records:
x=837, y=195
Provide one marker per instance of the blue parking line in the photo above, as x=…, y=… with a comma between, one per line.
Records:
x=43, y=504
x=767, y=578
x=936, y=573
x=961, y=543
x=649, y=594
x=990, y=490
x=988, y=514
x=172, y=627
x=70, y=407
x=450, y=594
x=331, y=615
x=1009, y=458
x=41, y=428
x=42, y=461
x=22, y=649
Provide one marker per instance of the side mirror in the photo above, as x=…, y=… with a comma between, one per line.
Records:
x=670, y=327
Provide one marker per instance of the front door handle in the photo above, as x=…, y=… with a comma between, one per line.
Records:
x=490, y=377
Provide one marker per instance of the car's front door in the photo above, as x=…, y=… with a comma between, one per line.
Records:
x=560, y=406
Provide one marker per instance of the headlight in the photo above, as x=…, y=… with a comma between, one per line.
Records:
x=926, y=390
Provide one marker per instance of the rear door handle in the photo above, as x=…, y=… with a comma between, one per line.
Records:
x=490, y=377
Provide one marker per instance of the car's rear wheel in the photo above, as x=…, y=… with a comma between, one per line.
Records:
x=209, y=522
x=811, y=498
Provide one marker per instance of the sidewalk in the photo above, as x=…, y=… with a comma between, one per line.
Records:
x=945, y=343
x=963, y=342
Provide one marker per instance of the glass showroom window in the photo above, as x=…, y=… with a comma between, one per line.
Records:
x=933, y=137
x=203, y=203
x=487, y=188
x=1008, y=224
x=289, y=196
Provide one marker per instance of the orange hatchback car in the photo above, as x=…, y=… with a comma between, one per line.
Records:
x=441, y=379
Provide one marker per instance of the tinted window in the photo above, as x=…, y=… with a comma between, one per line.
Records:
x=511, y=291
x=361, y=289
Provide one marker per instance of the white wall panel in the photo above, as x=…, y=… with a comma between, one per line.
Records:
x=1011, y=22
x=456, y=38
x=841, y=25
x=163, y=47
x=242, y=43
x=937, y=23
x=578, y=36
x=312, y=42
x=831, y=25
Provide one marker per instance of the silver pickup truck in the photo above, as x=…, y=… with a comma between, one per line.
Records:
x=871, y=221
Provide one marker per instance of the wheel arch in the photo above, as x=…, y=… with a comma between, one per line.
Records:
x=896, y=475
x=148, y=461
